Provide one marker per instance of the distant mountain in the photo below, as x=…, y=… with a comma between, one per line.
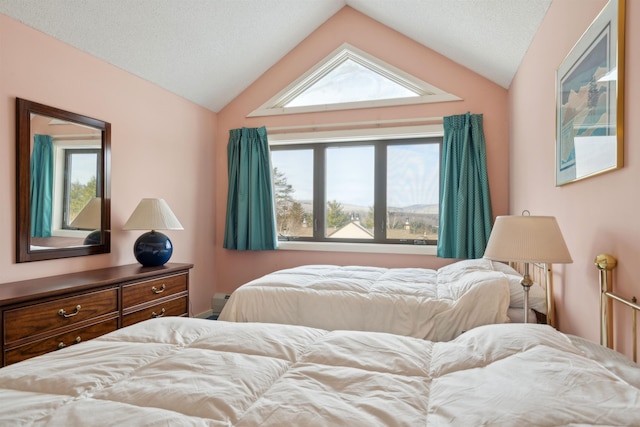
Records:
x=421, y=209
x=416, y=209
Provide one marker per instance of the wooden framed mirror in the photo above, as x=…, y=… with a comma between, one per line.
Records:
x=62, y=183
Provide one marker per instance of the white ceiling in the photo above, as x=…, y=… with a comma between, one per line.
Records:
x=209, y=51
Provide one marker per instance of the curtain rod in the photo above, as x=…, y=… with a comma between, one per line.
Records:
x=372, y=123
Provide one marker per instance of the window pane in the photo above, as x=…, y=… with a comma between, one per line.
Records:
x=349, y=184
x=413, y=187
x=350, y=82
x=293, y=192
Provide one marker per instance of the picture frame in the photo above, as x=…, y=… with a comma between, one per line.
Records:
x=590, y=100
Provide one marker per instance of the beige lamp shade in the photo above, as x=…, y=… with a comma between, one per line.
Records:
x=89, y=218
x=152, y=214
x=527, y=239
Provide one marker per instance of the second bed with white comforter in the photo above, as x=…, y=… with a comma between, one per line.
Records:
x=437, y=305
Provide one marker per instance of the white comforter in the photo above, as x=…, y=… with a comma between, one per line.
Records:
x=432, y=304
x=195, y=372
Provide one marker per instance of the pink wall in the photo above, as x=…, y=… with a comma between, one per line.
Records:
x=480, y=96
x=598, y=214
x=149, y=127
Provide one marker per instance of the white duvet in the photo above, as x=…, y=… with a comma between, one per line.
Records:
x=195, y=372
x=432, y=304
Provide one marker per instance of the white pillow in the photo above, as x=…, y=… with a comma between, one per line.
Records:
x=537, y=294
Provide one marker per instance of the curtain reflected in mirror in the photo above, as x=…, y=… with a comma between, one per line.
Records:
x=63, y=174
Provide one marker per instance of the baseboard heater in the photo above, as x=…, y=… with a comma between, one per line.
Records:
x=217, y=303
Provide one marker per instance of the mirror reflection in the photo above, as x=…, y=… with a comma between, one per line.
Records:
x=64, y=179
x=61, y=183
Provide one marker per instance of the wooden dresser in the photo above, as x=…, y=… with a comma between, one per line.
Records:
x=49, y=313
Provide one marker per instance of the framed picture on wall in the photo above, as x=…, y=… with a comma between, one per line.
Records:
x=590, y=100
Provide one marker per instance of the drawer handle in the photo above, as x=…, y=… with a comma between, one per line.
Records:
x=154, y=314
x=63, y=345
x=64, y=314
x=158, y=291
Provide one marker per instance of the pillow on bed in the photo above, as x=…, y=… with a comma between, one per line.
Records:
x=537, y=294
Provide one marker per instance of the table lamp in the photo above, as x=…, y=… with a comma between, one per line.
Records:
x=527, y=239
x=90, y=218
x=152, y=248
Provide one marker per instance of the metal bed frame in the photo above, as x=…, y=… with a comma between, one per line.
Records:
x=542, y=274
x=605, y=264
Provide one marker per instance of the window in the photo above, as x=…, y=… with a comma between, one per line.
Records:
x=80, y=178
x=375, y=191
x=350, y=81
x=351, y=78
x=361, y=182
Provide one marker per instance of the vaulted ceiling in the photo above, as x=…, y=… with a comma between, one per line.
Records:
x=209, y=51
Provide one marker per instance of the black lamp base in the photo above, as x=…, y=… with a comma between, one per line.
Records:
x=93, y=238
x=152, y=249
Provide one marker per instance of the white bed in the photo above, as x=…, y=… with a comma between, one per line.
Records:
x=430, y=304
x=196, y=372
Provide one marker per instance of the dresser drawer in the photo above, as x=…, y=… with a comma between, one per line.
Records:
x=174, y=307
x=59, y=341
x=45, y=317
x=152, y=290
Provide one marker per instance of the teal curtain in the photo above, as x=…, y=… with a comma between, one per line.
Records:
x=251, y=223
x=41, y=185
x=465, y=204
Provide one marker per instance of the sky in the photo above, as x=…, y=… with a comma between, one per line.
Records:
x=84, y=167
x=350, y=82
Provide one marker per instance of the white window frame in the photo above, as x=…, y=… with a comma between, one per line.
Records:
x=60, y=146
x=401, y=132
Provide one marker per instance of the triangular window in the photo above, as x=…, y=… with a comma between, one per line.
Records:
x=350, y=78
x=350, y=82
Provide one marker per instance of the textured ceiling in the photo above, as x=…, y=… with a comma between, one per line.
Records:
x=209, y=51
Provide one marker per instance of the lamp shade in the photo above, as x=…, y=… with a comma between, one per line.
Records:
x=527, y=239
x=152, y=248
x=152, y=214
x=90, y=217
